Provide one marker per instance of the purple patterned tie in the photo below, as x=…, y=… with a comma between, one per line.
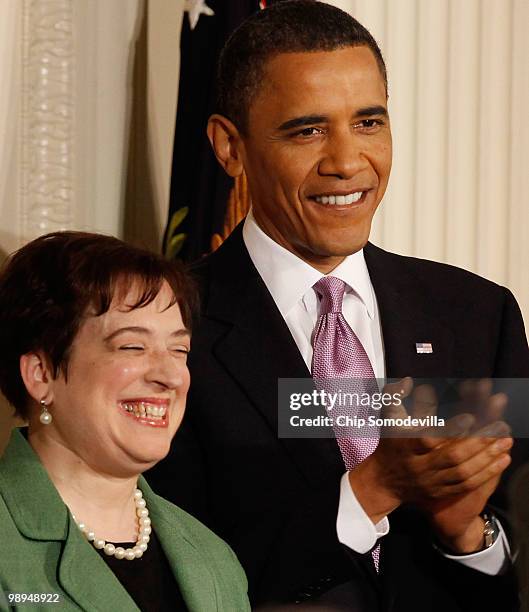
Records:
x=339, y=354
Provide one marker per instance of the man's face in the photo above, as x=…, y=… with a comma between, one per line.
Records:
x=317, y=152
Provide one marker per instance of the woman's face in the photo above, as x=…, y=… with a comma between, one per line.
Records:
x=124, y=394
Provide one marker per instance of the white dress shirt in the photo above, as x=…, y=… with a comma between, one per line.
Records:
x=290, y=280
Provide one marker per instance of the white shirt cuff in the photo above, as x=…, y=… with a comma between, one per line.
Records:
x=489, y=561
x=354, y=528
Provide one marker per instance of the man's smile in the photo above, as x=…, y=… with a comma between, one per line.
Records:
x=340, y=198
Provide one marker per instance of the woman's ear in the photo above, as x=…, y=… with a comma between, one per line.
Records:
x=37, y=377
x=226, y=142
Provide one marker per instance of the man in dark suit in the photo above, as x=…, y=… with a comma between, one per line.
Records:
x=302, y=111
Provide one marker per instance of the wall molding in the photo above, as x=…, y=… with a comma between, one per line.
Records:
x=47, y=174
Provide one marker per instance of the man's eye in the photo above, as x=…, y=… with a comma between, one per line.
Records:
x=309, y=131
x=369, y=125
x=131, y=347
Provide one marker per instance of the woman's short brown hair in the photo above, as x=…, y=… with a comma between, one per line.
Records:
x=49, y=285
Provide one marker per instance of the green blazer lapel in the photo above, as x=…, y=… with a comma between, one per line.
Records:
x=87, y=579
x=195, y=580
x=23, y=483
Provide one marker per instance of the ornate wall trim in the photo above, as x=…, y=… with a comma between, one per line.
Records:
x=47, y=117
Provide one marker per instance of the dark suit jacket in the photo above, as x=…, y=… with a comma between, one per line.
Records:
x=275, y=500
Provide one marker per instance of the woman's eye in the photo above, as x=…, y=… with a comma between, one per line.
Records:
x=181, y=350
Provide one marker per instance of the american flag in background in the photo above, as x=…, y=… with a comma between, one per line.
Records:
x=199, y=187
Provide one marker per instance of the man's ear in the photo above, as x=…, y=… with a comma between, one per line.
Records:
x=226, y=142
x=36, y=375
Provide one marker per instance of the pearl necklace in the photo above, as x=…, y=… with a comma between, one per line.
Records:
x=144, y=531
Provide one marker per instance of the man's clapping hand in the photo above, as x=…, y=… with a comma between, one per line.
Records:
x=450, y=475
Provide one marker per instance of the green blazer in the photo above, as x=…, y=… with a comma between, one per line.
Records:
x=43, y=551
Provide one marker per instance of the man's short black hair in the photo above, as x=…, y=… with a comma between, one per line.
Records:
x=292, y=26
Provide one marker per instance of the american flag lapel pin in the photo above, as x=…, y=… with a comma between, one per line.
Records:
x=423, y=348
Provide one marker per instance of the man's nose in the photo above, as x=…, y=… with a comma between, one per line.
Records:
x=167, y=371
x=343, y=156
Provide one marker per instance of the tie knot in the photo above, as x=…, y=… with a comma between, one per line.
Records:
x=331, y=290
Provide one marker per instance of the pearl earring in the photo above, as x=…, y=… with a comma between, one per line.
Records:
x=45, y=417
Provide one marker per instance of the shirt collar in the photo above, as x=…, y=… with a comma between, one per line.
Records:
x=289, y=278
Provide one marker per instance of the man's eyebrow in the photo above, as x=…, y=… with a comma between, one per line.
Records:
x=301, y=121
x=144, y=331
x=367, y=111
x=305, y=120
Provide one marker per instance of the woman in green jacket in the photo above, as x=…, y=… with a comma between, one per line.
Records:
x=94, y=336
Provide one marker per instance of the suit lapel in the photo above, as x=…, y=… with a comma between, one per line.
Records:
x=257, y=349
x=195, y=580
x=407, y=318
x=86, y=578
